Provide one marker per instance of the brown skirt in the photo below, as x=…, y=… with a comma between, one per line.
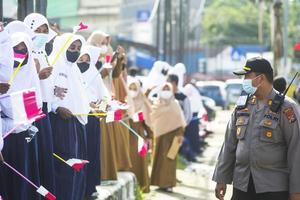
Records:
x=164, y=169
x=108, y=152
x=121, y=136
x=139, y=164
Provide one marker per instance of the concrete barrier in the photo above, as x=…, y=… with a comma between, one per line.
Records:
x=123, y=189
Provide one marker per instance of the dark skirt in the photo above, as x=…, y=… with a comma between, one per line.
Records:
x=69, y=139
x=22, y=156
x=45, y=149
x=192, y=134
x=93, y=153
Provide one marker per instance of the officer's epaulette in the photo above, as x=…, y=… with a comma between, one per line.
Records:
x=252, y=100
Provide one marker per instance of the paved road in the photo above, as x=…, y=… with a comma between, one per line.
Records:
x=196, y=178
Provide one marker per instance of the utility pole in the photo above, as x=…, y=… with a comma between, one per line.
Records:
x=24, y=8
x=158, y=33
x=1, y=10
x=261, y=22
x=278, y=38
x=165, y=30
x=170, y=41
x=181, y=33
x=41, y=6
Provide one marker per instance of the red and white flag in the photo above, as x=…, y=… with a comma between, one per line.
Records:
x=142, y=146
x=138, y=117
x=24, y=106
x=44, y=192
x=114, y=115
x=107, y=63
x=19, y=57
x=80, y=27
x=77, y=164
x=116, y=105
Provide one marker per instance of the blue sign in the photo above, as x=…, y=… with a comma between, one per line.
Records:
x=143, y=15
x=236, y=54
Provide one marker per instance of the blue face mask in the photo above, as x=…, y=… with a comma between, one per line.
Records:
x=40, y=40
x=248, y=87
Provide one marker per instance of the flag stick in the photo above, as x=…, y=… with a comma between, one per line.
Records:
x=59, y=158
x=21, y=175
x=13, y=76
x=61, y=50
x=131, y=130
x=90, y=114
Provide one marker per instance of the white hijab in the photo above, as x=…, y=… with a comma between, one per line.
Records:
x=6, y=56
x=179, y=69
x=33, y=21
x=26, y=78
x=67, y=75
x=156, y=76
x=92, y=79
x=194, y=96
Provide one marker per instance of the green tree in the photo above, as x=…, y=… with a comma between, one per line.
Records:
x=231, y=22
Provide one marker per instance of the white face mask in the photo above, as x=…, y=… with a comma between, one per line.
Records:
x=133, y=93
x=166, y=94
x=40, y=40
x=104, y=49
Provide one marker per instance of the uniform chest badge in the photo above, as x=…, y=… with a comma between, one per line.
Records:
x=268, y=122
x=238, y=131
x=253, y=100
x=290, y=115
x=269, y=134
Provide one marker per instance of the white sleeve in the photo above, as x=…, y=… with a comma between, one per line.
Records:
x=8, y=124
x=6, y=57
x=1, y=139
x=36, y=84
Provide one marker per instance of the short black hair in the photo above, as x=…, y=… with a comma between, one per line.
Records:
x=173, y=79
x=269, y=76
x=279, y=84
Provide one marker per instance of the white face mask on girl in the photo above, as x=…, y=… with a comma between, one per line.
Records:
x=133, y=93
x=104, y=49
x=166, y=94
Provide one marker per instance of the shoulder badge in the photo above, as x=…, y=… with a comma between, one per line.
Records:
x=290, y=115
x=253, y=100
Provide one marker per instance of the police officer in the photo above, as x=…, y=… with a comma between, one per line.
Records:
x=261, y=151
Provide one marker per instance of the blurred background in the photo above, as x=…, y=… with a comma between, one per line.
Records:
x=211, y=37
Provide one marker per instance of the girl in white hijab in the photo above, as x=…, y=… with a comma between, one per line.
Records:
x=17, y=151
x=6, y=66
x=41, y=34
x=96, y=91
x=69, y=134
x=180, y=70
x=6, y=59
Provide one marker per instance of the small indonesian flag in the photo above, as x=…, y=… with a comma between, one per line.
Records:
x=24, y=106
x=138, y=117
x=80, y=27
x=19, y=57
x=77, y=164
x=115, y=115
x=107, y=63
x=44, y=192
x=115, y=105
x=142, y=146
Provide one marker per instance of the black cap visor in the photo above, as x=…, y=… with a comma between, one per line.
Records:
x=244, y=71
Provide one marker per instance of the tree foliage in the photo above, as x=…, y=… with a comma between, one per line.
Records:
x=232, y=22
